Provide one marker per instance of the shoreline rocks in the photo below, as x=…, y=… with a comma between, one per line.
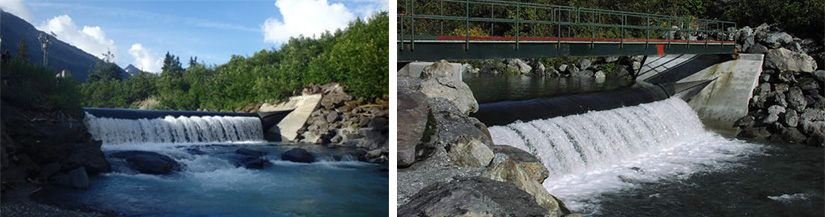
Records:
x=444, y=154
x=788, y=105
x=345, y=120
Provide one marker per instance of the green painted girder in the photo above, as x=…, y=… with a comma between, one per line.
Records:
x=425, y=50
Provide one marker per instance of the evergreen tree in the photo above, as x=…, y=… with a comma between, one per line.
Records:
x=22, y=52
x=193, y=61
x=172, y=66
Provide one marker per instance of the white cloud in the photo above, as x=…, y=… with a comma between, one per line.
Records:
x=91, y=39
x=305, y=17
x=16, y=7
x=370, y=7
x=144, y=59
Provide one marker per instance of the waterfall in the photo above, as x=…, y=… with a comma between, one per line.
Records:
x=581, y=143
x=174, y=130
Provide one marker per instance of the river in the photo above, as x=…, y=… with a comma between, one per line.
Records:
x=658, y=159
x=212, y=182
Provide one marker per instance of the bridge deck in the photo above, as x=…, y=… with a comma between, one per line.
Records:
x=433, y=48
x=474, y=29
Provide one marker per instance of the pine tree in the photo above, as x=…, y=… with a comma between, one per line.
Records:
x=172, y=66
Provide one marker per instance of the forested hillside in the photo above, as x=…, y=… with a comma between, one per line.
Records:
x=357, y=57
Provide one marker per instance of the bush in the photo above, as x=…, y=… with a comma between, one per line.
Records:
x=35, y=87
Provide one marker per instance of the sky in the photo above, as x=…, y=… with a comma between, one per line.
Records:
x=140, y=32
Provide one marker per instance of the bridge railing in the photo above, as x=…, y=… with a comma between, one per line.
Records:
x=545, y=22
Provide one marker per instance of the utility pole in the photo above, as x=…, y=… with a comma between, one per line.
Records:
x=45, y=42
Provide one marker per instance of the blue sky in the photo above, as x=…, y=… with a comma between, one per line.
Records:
x=140, y=32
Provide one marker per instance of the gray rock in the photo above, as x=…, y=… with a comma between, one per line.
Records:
x=778, y=99
x=790, y=119
x=473, y=196
x=563, y=68
x=754, y=132
x=539, y=69
x=807, y=84
x=813, y=115
x=76, y=178
x=582, y=74
x=599, y=75
x=299, y=155
x=786, y=60
x=758, y=49
x=572, y=70
x=611, y=59
x=584, y=63
x=744, y=122
x=786, y=76
x=781, y=87
x=792, y=135
x=148, y=162
x=551, y=72
x=334, y=100
x=796, y=100
x=776, y=109
x=518, y=65
x=469, y=152
x=451, y=124
x=436, y=82
x=776, y=40
x=763, y=89
x=525, y=171
x=819, y=75
x=772, y=118
x=332, y=117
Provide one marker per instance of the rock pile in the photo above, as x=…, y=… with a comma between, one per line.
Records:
x=348, y=121
x=448, y=164
x=788, y=105
x=603, y=67
x=45, y=146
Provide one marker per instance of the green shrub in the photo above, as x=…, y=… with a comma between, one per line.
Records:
x=35, y=87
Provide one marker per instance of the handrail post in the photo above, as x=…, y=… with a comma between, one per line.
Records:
x=518, y=22
x=592, y=30
x=467, y=23
x=441, y=6
x=402, y=24
x=621, y=44
x=412, y=31
x=557, y=16
x=647, y=37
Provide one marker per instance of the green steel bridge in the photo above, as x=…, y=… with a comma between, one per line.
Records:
x=494, y=29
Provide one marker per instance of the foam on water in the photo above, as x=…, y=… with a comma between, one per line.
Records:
x=607, y=151
x=194, y=129
x=786, y=198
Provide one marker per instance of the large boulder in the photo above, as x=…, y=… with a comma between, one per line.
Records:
x=525, y=171
x=437, y=81
x=451, y=124
x=411, y=122
x=473, y=196
x=299, y=155
x=786, y=60
x=148, y=162
x=76, y=178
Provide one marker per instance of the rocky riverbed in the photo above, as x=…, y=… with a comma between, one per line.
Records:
x=788, y=105
x=447, y=162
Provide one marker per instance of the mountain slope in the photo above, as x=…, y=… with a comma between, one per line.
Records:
x=61, y=54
